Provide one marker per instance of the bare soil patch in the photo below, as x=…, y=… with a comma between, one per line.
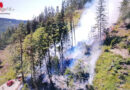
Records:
x=122, y=52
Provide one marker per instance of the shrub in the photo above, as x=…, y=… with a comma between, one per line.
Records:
x=71, y=83
x=123, y=45
x=67, y=72
x=25, y=87
x=128, y=61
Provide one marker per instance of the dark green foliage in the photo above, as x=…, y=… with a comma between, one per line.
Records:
x=5, y=37
x=43, y=20
x=128, y=61
x=25, y=87
x=89, y=87
x=32, y=41
x=113, y=40
x=55, y=64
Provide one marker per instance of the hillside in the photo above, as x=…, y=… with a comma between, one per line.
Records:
x=63, y=50
x=113, y=66
x=6, y=67
x=5, y=23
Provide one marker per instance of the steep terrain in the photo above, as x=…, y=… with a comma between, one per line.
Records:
x=31, y=53
x=113, y=66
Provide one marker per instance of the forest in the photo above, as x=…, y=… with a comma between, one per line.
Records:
x=37, y=50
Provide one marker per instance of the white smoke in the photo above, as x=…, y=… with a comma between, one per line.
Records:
x=87, y=37
x=113, y=8
x=86, y=23
x=84, y=33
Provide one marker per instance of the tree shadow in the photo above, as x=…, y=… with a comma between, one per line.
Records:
x=113, y=40
x=0, y=64
x=1, y=67
x=47, y=86
x=128, y=26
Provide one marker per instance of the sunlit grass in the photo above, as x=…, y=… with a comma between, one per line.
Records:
x=108, y=72
x=10, y=74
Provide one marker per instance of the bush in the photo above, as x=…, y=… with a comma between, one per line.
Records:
x=71, y=83
x=112, y=40
x=118, y=66
x=123, y=45
x=128, y=47
x=55, y=64
x=114, y=31
x=25, y=87
x=122, y=77
x=89, y=87
x=128, y=61
x=67, y=72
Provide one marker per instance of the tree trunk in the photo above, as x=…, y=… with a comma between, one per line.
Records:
x=71, y=27
x=74, y=33
x=55, y=47
x=48, y=72
x=21, y=59
x=62, y=56
x=33, y=65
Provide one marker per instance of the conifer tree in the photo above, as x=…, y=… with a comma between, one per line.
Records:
x=20, y=34
x=101, y=17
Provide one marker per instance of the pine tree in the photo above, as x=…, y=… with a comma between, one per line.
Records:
x=20, y=34
x=63, y=33
x=101, y=17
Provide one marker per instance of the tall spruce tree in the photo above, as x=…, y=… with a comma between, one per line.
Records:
x=20, y=36
x=101, y=17
x=63, y=33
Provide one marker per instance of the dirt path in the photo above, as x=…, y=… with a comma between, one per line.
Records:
x=13, y=87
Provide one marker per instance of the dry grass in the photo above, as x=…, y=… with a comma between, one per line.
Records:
x=122, y=52
x=120, y=31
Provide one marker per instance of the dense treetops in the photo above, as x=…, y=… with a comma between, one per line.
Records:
x=32, y=41
x=47, y=17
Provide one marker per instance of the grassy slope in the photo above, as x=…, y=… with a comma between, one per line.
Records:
x=111, y=74
x=112, y=70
